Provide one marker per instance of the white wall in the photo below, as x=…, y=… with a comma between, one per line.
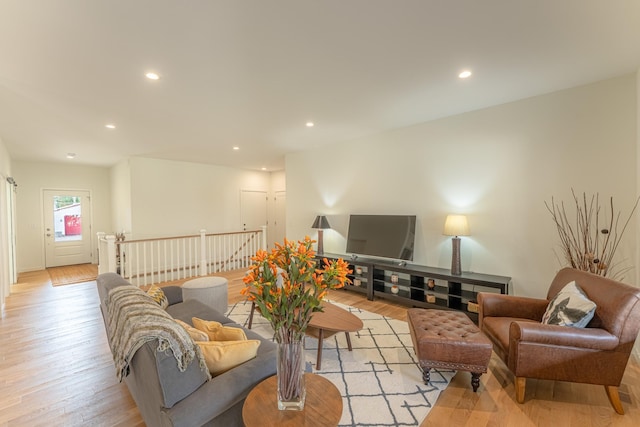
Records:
x=498, y=165
x=170, y=198
x=120, y=197
x=32, y=178
x=5, y=172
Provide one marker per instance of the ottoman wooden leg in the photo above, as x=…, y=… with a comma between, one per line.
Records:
x=475, y=380
x=426, y=375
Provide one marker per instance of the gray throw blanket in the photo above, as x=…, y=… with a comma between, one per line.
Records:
x=133, y=319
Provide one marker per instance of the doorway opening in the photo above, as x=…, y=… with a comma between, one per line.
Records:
x=67, y=225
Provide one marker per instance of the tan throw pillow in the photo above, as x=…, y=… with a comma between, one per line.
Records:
x=217, y=331
x=157, y=294
x=195, y=334
x=220, y=356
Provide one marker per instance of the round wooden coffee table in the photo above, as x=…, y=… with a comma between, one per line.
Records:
x=322, y=406
x=331, y=320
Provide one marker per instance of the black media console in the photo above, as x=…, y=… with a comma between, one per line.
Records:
x=420, y=286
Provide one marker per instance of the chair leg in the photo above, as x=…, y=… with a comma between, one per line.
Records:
x=520, y=384
x=614, y=398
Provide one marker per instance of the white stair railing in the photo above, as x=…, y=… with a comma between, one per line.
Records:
x=147, y=261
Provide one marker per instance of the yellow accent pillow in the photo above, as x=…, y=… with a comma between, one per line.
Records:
x=220, y=356
x=157, y=294
x=217, y=331
x=195, y=334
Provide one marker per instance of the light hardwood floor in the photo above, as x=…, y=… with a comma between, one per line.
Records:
x=56, y=369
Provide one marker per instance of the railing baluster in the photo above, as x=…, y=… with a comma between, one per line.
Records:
x=149, y=261
x=137, y=263
x=144, y=262
x=184, y=257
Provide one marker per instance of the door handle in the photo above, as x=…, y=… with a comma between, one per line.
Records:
x=48, y=234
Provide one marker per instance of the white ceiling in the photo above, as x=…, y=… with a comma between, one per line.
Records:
x=251, y=73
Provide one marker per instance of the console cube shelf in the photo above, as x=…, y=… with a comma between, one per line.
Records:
x=421, y=286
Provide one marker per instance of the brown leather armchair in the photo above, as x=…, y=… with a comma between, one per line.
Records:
x=597, y=354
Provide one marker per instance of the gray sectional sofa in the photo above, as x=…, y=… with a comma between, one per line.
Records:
x=167, y=397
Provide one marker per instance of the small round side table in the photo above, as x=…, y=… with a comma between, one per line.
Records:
x=322, y=406
x=211, y=290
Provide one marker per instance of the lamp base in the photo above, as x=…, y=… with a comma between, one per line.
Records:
x=456, y=270
x=320, y=245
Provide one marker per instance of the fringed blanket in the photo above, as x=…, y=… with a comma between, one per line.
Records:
x=133, y=319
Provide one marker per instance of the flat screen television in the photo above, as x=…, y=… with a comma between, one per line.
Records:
x=386, y=236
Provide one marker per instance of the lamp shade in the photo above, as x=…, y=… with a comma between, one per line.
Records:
x=456, y=225
x=321, y=222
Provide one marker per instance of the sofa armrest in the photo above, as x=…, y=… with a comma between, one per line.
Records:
x=173, y=294
x=500, y=305
x=220, y=393
x=563, y=336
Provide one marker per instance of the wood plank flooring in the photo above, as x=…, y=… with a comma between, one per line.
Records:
x=56, y=370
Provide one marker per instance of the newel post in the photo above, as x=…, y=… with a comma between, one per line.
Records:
x=264, y=237
x=111, y=254
x=203, y=253
x=102, y=252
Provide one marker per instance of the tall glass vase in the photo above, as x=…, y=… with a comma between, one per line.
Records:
x=290, y=370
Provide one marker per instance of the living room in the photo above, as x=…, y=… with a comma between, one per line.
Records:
x=496, y=163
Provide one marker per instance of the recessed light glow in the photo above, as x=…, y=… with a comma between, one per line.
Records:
x=110, y=126
x=71, y=155
x=310, y=124
x=264, y=169
x=465, y=74
x=236, y=148
x=152, y=76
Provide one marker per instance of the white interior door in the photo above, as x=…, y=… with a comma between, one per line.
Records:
x=253, y=209
x=67, y=227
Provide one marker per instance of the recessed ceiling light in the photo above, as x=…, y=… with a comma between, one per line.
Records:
x=152, y=76
x=264, y=169
x=236, y=148
x=465, y=74
x=71, y=155
x=110, y=126
x=310, y=124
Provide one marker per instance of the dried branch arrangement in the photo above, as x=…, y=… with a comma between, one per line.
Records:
x=589, y=242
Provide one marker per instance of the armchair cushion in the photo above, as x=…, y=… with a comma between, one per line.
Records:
x=570, y=307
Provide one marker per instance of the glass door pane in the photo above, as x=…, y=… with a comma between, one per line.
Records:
x=67, y=218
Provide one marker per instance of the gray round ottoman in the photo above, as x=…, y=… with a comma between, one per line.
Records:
x=210, y=290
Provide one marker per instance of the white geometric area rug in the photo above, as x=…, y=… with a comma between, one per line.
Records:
x=380, y=381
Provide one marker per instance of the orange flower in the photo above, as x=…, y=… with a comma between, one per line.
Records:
x=304, y=283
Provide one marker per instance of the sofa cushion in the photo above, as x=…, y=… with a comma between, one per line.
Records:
x=158, y=296
x=188, y=309
x=216, y=331
x=195, y=334
x=570, y=307
x=221, y=356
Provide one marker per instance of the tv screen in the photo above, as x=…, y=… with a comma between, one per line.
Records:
x=386, y=236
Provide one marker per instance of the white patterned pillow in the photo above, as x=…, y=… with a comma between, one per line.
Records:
x=570, y=307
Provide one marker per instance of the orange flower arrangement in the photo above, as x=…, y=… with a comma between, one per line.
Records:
x=287, y=286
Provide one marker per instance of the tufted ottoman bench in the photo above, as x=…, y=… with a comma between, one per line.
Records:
x=448, y=340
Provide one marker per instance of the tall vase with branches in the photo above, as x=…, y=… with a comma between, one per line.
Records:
x=590, y=240
x=287, y=285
